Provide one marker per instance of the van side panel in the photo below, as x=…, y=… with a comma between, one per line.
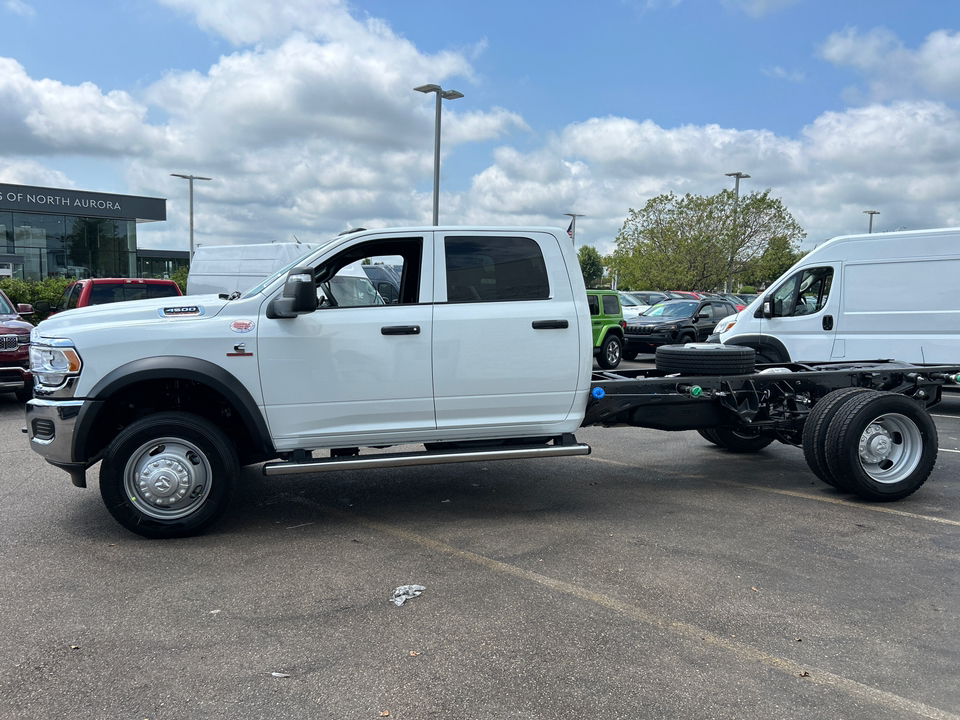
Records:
x=907, y=310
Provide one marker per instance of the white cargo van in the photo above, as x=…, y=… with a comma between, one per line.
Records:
x=860, y=297
x=232, y=268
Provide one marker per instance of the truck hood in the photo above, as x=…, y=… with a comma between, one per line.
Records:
x=13, y=323
x=138, y=312
x=659, y=320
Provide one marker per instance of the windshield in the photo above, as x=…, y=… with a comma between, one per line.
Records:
x=281, y=272
x=680, y=309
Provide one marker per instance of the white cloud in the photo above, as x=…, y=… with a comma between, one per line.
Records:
x=18, y=7
x=893, y=71
x=316, y=128
x=758, y=8
x=779, y=73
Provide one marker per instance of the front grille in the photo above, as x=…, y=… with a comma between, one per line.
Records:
x=9, y=342
x=639, y=330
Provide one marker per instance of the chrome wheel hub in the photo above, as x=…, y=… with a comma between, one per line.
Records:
x=168, y=478
x=890, y=448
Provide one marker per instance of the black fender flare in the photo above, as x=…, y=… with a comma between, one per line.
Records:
x=180, y=368
x=761, y=343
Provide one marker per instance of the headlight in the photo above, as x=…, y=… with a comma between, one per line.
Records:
x=666, y=328
x=726, y=324
x=52, y=361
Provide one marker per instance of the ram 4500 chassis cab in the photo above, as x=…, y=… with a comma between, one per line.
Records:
x=487, y=354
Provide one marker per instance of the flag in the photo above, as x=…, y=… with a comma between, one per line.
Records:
x=570, y=230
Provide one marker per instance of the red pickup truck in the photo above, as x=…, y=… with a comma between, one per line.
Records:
x=99, y=291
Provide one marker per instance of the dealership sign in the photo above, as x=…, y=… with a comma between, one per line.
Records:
x=23, y=198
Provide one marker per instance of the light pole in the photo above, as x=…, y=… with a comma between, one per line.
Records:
x=871, y=213
x=572, y=230
x=736, y=224
x=441, y=95
x=191, y=178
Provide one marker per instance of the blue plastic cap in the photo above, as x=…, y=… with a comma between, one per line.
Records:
x=598, y=393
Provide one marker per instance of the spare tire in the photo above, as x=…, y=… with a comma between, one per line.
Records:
x=705, y=359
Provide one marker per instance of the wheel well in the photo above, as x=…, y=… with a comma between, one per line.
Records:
x=149, y=396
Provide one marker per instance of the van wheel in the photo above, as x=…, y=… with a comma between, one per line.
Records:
x=881, y=446
x=741, y=440
x=709, y=435
x=766, y=355
x=610, y=352
x=705, y=359
x=168, y=475
x=815, y=431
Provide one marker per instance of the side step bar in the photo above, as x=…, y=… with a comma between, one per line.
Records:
x=392, y=460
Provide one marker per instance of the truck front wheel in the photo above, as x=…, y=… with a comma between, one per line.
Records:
x=168, y=475
x=881, y=446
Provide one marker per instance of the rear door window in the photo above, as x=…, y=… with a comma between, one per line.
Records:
x=611, y=305
x=495, y=269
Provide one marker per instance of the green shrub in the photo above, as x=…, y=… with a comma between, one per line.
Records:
x=32, y=292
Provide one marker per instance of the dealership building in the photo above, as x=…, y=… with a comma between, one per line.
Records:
x=49, y=232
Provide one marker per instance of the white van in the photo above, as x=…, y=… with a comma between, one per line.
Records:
x=860, y=297
x=231, y=268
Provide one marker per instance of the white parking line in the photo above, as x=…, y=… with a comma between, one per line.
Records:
x=689, y=632
x=808, y=496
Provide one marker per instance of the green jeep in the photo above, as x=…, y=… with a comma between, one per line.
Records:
x=607, y=318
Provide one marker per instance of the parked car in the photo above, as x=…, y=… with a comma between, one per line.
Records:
x=735, y=299
x=15, y=374
x=100, y=291
x=674, y=322
x=649, y=297
x=631, y=305
x=606, y=316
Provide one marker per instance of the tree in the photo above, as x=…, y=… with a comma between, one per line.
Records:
x=591, y=265
x=698, y=243
x=779, y=256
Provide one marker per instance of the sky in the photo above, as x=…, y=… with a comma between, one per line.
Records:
x=303, y=112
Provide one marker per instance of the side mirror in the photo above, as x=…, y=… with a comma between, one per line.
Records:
x=299, y=295
x=24, y=309
x=703, y=314
x=767, y=308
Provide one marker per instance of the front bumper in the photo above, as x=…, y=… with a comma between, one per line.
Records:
x=52, y=427
x=648, y=342
x=13, y=378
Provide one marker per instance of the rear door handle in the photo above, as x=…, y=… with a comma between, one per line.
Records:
x=400, y=330
x=550, y=324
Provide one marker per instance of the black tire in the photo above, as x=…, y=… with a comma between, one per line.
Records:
x=709, y=435
x=766, y=355
x=815, y=431
x=193, y=465
x=610, y=352
x=629, y=355
x=686, y=338
x=742, y=440
x=881, y=446
x=705, y=359
x=24, y=394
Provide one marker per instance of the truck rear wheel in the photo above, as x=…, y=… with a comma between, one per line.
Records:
x=881, y=446
x=610, y=352
x=815, y=431
x=168, y=475
x=705, y=359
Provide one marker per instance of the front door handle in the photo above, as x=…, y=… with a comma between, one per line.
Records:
x=400, y=330
x=828, y=322
x=550, y=324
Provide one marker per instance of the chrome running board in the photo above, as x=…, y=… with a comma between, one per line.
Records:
x=392, y=460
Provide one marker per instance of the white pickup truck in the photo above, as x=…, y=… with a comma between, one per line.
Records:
x=487, y=355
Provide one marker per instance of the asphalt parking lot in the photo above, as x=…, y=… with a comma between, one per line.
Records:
x=659, y=577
